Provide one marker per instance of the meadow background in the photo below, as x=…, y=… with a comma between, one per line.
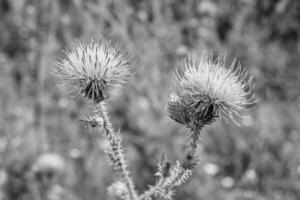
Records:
x=260, y=160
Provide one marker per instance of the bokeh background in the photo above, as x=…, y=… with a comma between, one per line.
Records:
x=260, y=160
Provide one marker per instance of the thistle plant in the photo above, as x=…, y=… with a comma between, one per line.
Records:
x=94, y=69
x=204, y=90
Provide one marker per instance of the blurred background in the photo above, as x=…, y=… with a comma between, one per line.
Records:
x=260, y=160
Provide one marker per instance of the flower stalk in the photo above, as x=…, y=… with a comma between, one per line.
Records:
x=164, y=187
x=115, y=152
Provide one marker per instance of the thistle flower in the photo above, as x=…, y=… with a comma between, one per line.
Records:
x=49, y=162
x=206, y=89
x=93, y=69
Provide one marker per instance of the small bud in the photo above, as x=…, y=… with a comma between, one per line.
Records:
x=190, y=161
x=163, y=166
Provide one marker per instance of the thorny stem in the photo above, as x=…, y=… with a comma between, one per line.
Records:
x=193, y=144
x=152, y=190
x=165, y=185
x=173, y=181
x=168, y=183
x=111, y=136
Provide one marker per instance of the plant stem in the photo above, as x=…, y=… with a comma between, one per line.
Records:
x=181, y=172
x=117, y=151
x=193, y=144
x=151, y=191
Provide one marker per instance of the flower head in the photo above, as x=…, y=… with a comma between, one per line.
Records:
x=93, y=69
x=49, y=161
x=206, y=89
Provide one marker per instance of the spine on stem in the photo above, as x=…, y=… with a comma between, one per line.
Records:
x=115, y=152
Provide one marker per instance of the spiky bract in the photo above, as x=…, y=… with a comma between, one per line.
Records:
x=206, y=89
x=93, y=69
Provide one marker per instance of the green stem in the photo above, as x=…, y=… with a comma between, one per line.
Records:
x=195, y=137
x=113, y=139
x=152, y=191
x=169, y=182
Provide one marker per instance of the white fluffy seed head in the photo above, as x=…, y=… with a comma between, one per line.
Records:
x=93, y=69
x=205, y=89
